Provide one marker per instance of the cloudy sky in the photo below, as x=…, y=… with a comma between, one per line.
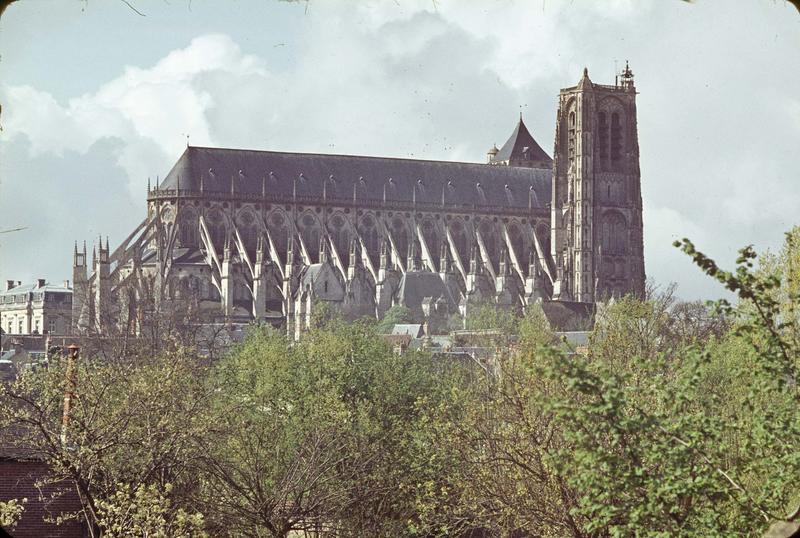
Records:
x=96, y=99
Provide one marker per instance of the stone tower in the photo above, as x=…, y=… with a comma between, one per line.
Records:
x=596, y=204
x=80, y=287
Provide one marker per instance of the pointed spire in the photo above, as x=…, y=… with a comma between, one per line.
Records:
x=503, y=266
x=290, y=250
x=260, y=249
x=148, y=184
x=383, y=260
x=227, y=250
x=473, y=260
x=412, y=255
x=323, y=250
x=585, y=83
x=444, y=259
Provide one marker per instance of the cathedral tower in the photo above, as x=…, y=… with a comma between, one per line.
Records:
x=596, y=205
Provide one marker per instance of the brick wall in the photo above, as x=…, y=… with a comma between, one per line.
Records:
x=18, y=480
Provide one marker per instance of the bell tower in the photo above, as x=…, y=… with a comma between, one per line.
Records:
x=596, y=205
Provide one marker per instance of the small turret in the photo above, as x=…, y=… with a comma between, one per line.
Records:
x=492, y=153
x=626, y=77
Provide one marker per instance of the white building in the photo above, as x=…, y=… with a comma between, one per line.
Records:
x=38, y=308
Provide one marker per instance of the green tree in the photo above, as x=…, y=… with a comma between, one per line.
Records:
x=396, y=314
x=135, y=424
x=688, y=435
x=146, y=511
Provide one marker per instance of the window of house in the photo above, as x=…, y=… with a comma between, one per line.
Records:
x=51, y=326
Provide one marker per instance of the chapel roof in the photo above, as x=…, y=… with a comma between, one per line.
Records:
x=415, y=286
x=404, y=180
x=521, y=146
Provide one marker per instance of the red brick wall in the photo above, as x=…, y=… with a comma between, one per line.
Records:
x=18, y=481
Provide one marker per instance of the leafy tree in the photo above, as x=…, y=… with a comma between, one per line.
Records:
x=688, y=435
x=396, y=314
x=146, y=511
x=135, y=424
x=275, y=463
x=487, y=315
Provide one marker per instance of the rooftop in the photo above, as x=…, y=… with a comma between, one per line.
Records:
x=37, y=287
x=521, y=146
x=345, y=177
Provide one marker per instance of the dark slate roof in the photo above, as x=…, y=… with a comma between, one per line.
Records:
x=247, y=169
x=516, y=145
x=415, y=286
x=569, y=315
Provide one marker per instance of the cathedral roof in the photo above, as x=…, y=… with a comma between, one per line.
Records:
x=467, y=184
x=521, y=146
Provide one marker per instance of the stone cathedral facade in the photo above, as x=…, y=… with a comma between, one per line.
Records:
x=244, y=235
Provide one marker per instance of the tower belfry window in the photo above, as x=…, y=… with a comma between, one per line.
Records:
x=602, y=136
x=571, y=141
x=616, y=138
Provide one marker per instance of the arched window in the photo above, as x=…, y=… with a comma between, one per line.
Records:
x=400, y=236
x=311, y=234
x=340, y=233
x=571, y=135
x=216, y=228
x=602, y=136
x=368, y=229
x=188, y=230
x=279, y=231
x=430, y=235
x=517, y=242
x=616, y=138
x=614, y=237
x=490, y=239
x=247, y=224
x=460, y=239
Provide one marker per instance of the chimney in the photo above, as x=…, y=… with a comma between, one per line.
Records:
x=66, y=284
x=40, y=283
x=9, y=285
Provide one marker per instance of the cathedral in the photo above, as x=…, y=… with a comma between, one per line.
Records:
x=244, y=235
